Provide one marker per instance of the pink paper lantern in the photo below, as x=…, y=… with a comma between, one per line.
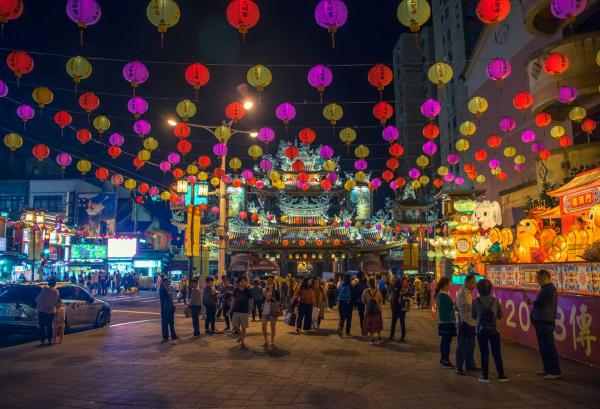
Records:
x=63, y=159
x=116, y=139
x=394, y=185
x=192, y=180
x=173, y=158
x=259, y=185
x=414, y=173
x=430, y=108
x=449, y=177
x=498, y=69
x=507, y=124
x=332, y=177
x=3, y=89
x=135, y=73
x=390, y=133
x=153, y=191
x=459, y=180
x=266, y=165
x=247, y=174
x=453, y=158
x=566, y=9
x=320, y=77
x=137, y=106
x=519, y=166
x=226, y=179
x=429, y=148
x=537, y=146
x=326, y=152
x=376, y=183
x=360, y=164
x=331, y=15
x=141, y=127
x=220, y=149
x=165, y=166
x=494, y=163
x=285, y=112
x=214, y=210
x=266, y=135
x=25, y=112
x=566, y=94
x=528, y=136
x=180, y=200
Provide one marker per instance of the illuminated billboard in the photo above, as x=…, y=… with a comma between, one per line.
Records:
x=122, y=248
x=88, y=253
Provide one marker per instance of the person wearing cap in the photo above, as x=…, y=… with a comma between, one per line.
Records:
x=47, y=301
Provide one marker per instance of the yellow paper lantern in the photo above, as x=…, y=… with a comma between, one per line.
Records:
x=192, y=169
x=329, y=165
x=165, y=196
x=215, y=181
x=577, y=114
x=424, y=179
x=333, y=112
x=223, y=133
x=150, y=144
x=467, y=129
x=13, y=141
x=415, y=184
x=280, y=184
x=235, y=163
x=163, y=14
x=413, y=14
x=557, y=131
x=440, y=73
x=202, y=176
x=462, y=145
x=101, y=123
x=360, y=176
x=361, y=151
x=283, y=218
x=78, y=68
x=84, y=166
x=480, y=179
x=185, y=109
x=259, y=77
x=274, y=176
x=349, y=185
x=422, y=161
x=43, y=96
x=255, y=151
x=496, y=171
x=477, y=106
x=347, y=135
x=510, y=151
x=144, y=155
x=130, y=184
x=443, y=171
x=519, y=159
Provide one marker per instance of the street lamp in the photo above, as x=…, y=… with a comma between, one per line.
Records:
x=181, y=186
x=32, y=219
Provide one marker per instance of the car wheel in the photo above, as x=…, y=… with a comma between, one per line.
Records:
x=102, y=318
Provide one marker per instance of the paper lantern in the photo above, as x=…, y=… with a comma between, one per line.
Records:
x=84, y=13
x=173, y=158
x=40, y=152
x=331, y=15
x=285, y=112
x=400, y=181
x=42, y=96
x=519, y=159
x=326, y=185
x=413, y=14
x=25, y=112
x=235, y=164
x=235, y=111
x=556, y=63
x=396, y=150
x=10, y=10
x=177, y=173
x=422, y=161
x=440, y=73
x=480, y=179
x=522, y=100
x=192, y=169
x=543, y=119
x=184, y=147
x=415, y=184
x=430, y=109
x=565, y=142
x=544, y=154
x=307, y=136
x=392, y=163
x=467, y=129
x=360, y=164
x=197, y=75
x=333, y=112
x=101, y=174
x=462, y=145
x=347, y=135
x=557, y=131
x=101, y=123
x=507, y=124
x=62, y=119
x=375, y=183
x=537, y=146
x=510, y=151
x=577, y=114
x=89, y=101
x=137, y=106
x=383, y=111
x=437, y=182
x=150, y=144
x=259, y=77
x=492, y=11
x=114, y=152
x=360, y=176
x=519, y=167
x=129, y=184
x=243, y=15
x=165, y=166
x=266, y=135
x=141, y=127
x=3, y=89
x=329, y=165
x=567, y=9
x=361, y=151
x=528, y=136
x=185, y=109
x=266, y=165
x=136, y=73
x=468, y=167
x=494, y=141
x=453, y=158
x=431, y=131
x=165, y=196
x=79, y=69
x=498, y=69
x=588, y=126
x=414, y=173
x=390, y=133
x=116, y=139
x=20, y=63
x=223, y=133
x=477, y=106
x=320, y=77
x=63, y=160
x=13, y=141
x=429, y=148
x=83, y=166
x=291, y=152
x=163, y=14
x=380, y=76
x=494, y=163
x=480, y=155
x=181, y=130
x=220, y=149
x=203, y=161
x=566, y=94
x=255, y=151
x=138, y=163
x=247, y=174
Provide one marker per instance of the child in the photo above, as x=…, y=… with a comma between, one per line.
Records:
x=59, y=323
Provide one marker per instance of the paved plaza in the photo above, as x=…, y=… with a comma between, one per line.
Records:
x=126, y=365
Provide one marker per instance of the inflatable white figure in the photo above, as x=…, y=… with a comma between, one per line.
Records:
x=486, y=215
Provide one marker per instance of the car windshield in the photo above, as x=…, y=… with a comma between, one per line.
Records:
x=73, y=292
x=20, y=293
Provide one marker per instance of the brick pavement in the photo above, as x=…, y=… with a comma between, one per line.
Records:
x=128, y=366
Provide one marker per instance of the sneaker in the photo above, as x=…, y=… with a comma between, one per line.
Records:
x=541, y=373
x=447, y=365
x=459, y=372
x=339, y=332
x=503, y=378
x=484, y=380
x=298, y=330
x=552, y=377
x=403, y=339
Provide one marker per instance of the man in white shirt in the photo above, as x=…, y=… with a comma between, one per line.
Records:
x=466, y=327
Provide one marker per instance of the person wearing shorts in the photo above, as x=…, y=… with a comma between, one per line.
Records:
x=271, y=306
x=240, y=308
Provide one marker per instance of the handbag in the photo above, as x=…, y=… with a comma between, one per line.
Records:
x=276, y=309
x=290, y=318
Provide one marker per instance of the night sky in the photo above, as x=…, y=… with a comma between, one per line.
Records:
x=287, y=40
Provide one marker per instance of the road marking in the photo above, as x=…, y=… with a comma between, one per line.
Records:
x=144, y=312
x=130, y=322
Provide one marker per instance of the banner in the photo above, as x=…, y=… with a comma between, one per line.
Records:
x=96, y=213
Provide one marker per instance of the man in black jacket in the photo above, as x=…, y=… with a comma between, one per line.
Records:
x=359, y=288
x=543, y=317
x=167, y=310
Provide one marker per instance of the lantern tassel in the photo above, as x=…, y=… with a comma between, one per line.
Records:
x=162, y=40
x=81, y=37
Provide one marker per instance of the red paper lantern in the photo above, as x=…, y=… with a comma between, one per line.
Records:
x=243, y=14
x=565, y=142
x=469, y=167
x=62, y=119
x=89, y=101
x=326, y=184
x=184, y=147
x=472, y=175
x=197, y=75
x=101, y=174
x=237, y=183
x=588, y=126
x=383, y=111
x=387, y=175
x=178, y=173
x=480, y=155
x=138, y=163
x=143, y=188
x=83, y=136
x=437, y=182
x=431, y=131
x=291, y=152
x=380, y=76
x=40, y=151
x=494, y=141
x=10, y=10
x=251, y=182
x=298, y=166
x=392, y=163
x=543, y=119
x=400, y=181
x=114, y=152
x=307, y=136
x=396, y=150
x=203, y=161
x=182, y=130
x=502, y=175
x=20, y=63
x=235, y=111
x=219, y=172
x=544, y=154
x=522, y=100
x=243, y=215
x=492, y=11
x=303, y=177
x=556, y=63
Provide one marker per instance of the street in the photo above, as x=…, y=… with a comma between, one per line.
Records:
x=126, y=365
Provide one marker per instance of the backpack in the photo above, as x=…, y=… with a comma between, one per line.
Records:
x=486, y=321
x=345, y=293
x=372, y=306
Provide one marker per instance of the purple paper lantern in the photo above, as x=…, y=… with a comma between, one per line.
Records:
x=507, y=124
x=220, y=149
x=226, y=179
x=360, y=164
x=285, y=112
x=214, y=210
x=332, y=177
x=165, y=166
x=331, y=15
x=519, y=166
x=394, y=185
x=320, y=77
x=390, y=133
x=266, y=165
x=430, y=108
x=25, y=112
x=141, y=127
x=326, y=152
x=453, y=158
x=449, y=177
x=3, y=89
x=300, y=184
x=180, y=200
x=537, y=146
x=266, y=135
x=137, y=106
x=566, y=94
x=498, y=69
x=429, y=148
x=494, y=163
x=135, y=73
x=116, y=139
x=83, y=12
x=63, y=159
x=528, y=136
x=192, y=180
x=405, y=229
x=173, y=158
x=414, y=173
x=376, y=183
x=247, y=174
x=566, y=9
x=153, y=191
x=459, y=180
x=346, y=223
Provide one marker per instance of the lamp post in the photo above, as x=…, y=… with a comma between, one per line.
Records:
x=32, y=219
x=181, y=187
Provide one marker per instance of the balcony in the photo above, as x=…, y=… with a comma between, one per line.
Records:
x=583, y=74
x=538, y=19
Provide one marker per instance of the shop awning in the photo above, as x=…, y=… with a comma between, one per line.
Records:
x=584, y=180
x=553, y=213
x=264, y=265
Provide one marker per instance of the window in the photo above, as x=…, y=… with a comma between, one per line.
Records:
x=49, y=203
x=11, y=203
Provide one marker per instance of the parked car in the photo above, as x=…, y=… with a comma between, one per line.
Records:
x=18, y=312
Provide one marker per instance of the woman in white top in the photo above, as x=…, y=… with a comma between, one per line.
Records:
x=270, y=312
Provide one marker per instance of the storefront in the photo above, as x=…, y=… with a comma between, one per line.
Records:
x=86, y=259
